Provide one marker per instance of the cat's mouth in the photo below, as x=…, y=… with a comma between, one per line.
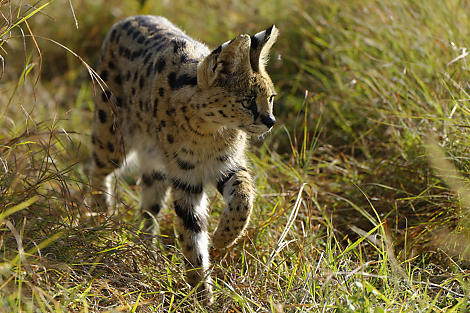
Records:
x=255, y=129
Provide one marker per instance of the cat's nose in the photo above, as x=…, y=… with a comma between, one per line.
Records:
x=268, y=120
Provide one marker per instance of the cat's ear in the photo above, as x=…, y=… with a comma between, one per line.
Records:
x=229, y=58
x=261, y=43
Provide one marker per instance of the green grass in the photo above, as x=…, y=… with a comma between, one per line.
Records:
x=362, y=187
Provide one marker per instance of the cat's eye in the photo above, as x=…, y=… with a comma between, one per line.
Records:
x=249, y=103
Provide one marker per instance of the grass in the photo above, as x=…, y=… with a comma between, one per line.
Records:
x=362, y=189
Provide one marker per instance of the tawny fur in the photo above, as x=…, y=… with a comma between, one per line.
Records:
x=186, y=113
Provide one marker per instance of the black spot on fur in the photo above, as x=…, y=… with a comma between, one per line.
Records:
x=113, y=34
x=159, y=47
x=221, y=182
x=133, y=91
x=118, y=80
x=186, y=59
x=157, y=40
x=104, y=75
x=191, y=189
x=187, y=151
x=126, y=25
x=156, y=175
x=128, y=76
x=191, y=221
x=136, y=54
x=111, y=65
x=155, y=107
x=147, y=58
x=160, y=64
x=170, y=138
x=119, y=102
x=102, y=116
x=186, y=166
x=141, y=81
x=110, y=147
x=222, y=113
x=172, y=80
x=191, y=129
x=149, y=69
x=161, y=92
x=125, y=52
x=178, y=45
x=98, y=162
x=140, y=39
x=181, y=81
x=148, y=179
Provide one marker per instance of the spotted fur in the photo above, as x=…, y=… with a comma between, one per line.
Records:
x=186, y=112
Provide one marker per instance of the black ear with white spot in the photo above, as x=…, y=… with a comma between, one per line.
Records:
x=261, y=43
x=229, y=58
